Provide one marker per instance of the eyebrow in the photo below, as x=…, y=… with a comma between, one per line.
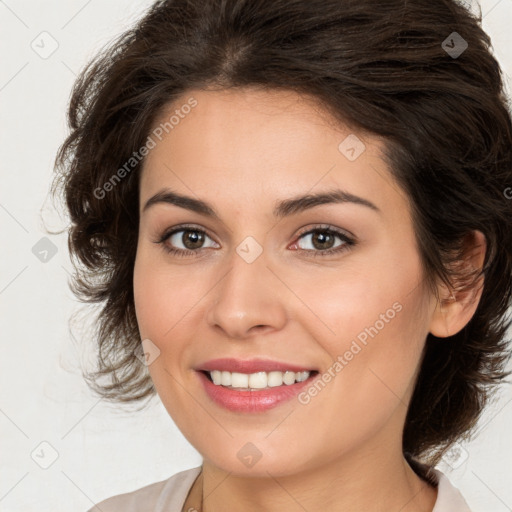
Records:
x=282, y=208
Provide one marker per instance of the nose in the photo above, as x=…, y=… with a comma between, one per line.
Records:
x=249, y=299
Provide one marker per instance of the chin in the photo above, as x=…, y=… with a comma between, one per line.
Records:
x=255, y=460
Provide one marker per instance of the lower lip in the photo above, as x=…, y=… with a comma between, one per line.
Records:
x=252, y=401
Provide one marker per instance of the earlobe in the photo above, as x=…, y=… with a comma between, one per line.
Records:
x=455, y=307
x=451, y=315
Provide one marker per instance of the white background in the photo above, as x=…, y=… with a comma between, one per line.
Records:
x=104, y=449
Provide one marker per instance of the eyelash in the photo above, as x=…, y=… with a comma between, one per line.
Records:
x=347, y=245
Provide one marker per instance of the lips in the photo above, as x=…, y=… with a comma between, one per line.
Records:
x=252, y=401
x=251, y=366
x=243, y=401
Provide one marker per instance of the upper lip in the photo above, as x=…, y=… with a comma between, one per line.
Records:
x=250, y=366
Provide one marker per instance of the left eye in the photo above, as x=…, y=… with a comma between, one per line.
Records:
x=323, y=239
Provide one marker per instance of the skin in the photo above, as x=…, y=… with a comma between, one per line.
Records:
x=241, y=151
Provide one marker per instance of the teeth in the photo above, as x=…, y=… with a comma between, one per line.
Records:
x=226, y=378
x=259, y=380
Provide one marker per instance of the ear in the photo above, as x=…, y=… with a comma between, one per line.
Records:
x=456, y=308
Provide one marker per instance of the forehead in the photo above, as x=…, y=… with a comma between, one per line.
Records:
x=249, y=141
x=245, y=120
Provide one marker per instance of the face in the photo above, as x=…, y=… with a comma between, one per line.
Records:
x=333, y=286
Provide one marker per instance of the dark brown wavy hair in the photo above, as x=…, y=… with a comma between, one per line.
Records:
x=382, y=67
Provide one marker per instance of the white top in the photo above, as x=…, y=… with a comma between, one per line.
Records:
x=170, y=495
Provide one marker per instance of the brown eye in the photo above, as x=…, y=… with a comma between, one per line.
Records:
x=185, y=241
x=323, y=240
x=192, y=239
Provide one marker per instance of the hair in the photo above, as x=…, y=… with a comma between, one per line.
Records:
x=378, y=67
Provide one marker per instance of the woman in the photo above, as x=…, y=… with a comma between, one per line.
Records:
x=294, y=214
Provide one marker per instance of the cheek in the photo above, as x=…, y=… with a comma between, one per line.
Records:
x=168, y=310
x=162, y=296
x=161, y=305
x=374, y=324
x=348, y=302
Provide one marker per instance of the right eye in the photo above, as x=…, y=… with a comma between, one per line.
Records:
x=190, y=237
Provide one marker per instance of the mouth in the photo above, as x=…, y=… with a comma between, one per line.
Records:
x=257, y=381
x=252, y=386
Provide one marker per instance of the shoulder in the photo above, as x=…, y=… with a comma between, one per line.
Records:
x=449, y=498
x=167, y=494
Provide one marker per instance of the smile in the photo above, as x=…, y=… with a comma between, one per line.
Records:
x=252, y=386
x=256, y=381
